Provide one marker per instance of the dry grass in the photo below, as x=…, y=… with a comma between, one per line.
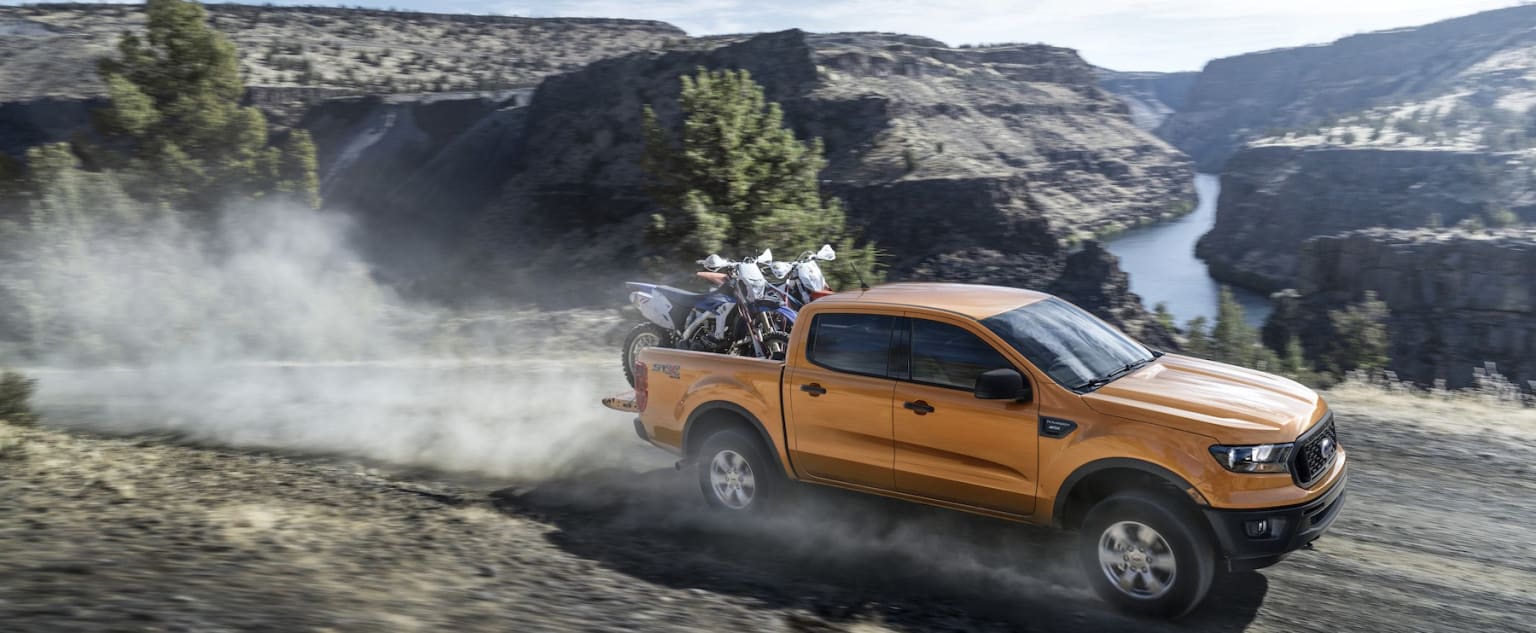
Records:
x=1494, y=406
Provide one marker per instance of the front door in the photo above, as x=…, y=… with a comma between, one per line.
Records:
x=951, y=446
x=840, y=400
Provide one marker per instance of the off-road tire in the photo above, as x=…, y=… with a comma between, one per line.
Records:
x=1179, y=532
x=755, y=488
x=662, y=336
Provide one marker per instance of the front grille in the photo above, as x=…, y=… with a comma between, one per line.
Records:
x=1315, y=452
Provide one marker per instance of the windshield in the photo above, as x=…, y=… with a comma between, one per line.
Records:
x=1070, y=345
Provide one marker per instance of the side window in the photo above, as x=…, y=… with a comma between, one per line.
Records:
x=949, y=356
x=855, y=343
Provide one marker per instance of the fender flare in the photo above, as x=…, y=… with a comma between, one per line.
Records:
x=1064, y=491
x=731, y=407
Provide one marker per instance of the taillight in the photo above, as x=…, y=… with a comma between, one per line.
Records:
x=642, y=379
x=817, y=294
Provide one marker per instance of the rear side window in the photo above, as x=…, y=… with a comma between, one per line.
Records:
x=854, y=343
x=949, y=356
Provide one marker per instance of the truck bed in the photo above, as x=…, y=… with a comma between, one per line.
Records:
x=682, y=385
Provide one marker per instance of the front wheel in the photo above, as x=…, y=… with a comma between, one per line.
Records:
x=1146, y=556
x=642, y=336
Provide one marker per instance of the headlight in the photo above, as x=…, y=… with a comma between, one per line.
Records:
x=1264, y=458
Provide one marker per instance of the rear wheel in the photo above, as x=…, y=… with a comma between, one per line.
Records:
x=1146, y=555
x=735, y=473
x=642, y=336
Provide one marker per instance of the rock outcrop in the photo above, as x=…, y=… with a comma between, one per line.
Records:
x=1242, y=98
x=1274, y=198
x=414, y=169
x=1458, y=299
x=26, y=124
x=935, y=151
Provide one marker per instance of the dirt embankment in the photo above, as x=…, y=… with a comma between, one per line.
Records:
x=147, y=533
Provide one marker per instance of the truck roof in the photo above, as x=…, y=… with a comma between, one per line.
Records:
x=972, y=300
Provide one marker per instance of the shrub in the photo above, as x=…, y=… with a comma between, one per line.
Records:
x=1499, y=217
x=16, y=398
x=1360, y=340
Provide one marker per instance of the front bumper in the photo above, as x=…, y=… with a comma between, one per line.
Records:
x=1287, y=529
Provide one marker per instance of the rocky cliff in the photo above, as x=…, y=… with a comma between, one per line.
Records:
x=1151, y=97
x=1274, y=198
x=1238, y=99
x=933, y=149
x=50, y=49
x=1458, y=299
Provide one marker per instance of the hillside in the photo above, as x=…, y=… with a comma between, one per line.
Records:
x=934, y=150
x=1458, y=299
x=978, y=164
x=1478, y=62
x=50, y=49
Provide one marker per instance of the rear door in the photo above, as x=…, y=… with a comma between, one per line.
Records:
x=840, y=399
x=949, y=445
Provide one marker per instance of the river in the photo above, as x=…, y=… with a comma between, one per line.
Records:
x=1161, y=262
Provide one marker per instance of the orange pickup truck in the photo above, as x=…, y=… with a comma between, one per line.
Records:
x=1016, y=405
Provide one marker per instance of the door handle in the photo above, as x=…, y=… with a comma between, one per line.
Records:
x=919, y=407
x=813, y=389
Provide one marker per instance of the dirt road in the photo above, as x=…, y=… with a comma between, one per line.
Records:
x=147, y=533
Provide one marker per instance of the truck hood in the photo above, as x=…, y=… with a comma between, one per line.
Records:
x=1230, y=404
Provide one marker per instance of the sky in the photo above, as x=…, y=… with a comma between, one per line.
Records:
x=1162, y=35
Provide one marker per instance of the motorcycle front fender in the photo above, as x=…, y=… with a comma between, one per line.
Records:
x=788, y=314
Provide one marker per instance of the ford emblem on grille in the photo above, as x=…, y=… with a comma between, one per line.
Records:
x=1326, y=448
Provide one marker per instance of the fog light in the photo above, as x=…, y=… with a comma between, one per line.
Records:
x=1256, y=529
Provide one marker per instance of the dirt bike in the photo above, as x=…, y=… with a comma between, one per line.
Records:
x=738, y=316
x=802, y=279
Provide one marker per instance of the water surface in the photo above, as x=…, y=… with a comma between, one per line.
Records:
x=1163, y=267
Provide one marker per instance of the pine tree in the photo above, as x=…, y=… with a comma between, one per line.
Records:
x=1161, y=314
x=1232, y=339
x=736, y=180
x=175, y=123
x=1360, y=338
x=1197, y=342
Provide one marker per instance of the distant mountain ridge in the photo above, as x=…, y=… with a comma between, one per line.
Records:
x=1239, y=99
x=49, y=50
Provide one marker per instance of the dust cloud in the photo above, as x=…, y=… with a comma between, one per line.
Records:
x=265, y=329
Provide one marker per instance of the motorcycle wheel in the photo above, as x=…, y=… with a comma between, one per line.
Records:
x=642, y=336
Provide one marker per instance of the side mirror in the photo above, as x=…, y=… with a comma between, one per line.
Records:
x=826, y=254
x=714, y=262
x=766, y=257
x=1003, y=384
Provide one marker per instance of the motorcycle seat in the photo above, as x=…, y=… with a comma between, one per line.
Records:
x=680, y=297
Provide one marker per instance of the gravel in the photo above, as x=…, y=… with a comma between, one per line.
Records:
x=150, y=533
